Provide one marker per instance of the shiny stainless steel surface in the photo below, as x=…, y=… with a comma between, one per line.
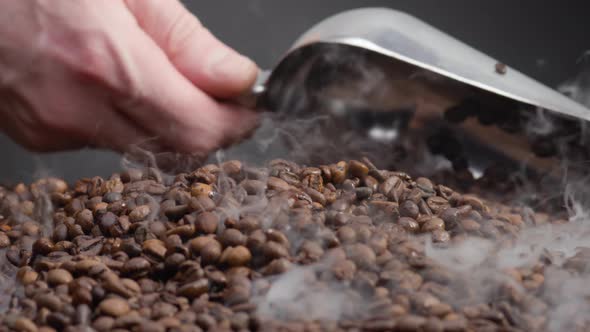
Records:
x=414, y=42
x=422, y=70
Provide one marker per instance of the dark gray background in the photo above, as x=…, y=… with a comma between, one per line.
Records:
x=544, y=39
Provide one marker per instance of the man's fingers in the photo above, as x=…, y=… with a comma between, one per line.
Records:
x=172, y=108
x=197, y=54
x=118, y=132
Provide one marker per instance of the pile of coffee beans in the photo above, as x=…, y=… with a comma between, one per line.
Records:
x=205, y=251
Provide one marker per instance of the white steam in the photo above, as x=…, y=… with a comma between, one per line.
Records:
x=578, y=88
x=299, y=295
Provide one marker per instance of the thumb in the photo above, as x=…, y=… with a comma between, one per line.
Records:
x=208, y=63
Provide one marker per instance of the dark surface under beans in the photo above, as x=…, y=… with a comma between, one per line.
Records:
x=202, y=251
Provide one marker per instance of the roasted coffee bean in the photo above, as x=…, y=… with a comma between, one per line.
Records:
x=232, y=237
x=85, y=219
x=49, y=301
x=247, y=224
x=43, y=246
x=173, y=261
x=114, y=307
x=409, y=209
x=440, y=236
x=4, y=240
x=154, y=248
x=194, y=289
x=59, y=277
x=211, y=253
x=277, y=184
x=137, y=267
x=207, y=223
x=58, y=320
x=409, y=224
x=204, y=250
x=201, y=203
x=26, y=275
x=273, y=250
x=362, y=255
x=236, y=256
x=139, y=213
x=433, y=224
x=339, y=172
x=358, y=169
x=25, y=325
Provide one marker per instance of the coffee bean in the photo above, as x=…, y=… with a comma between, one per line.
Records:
x=440, y=236
x=362, y=255
x=154, y=248
x=211, y=253
x=198, y=250
x=232, y=237
x=114, y=307
x=139, y=213
x=173, y=261
x=433, y=224
x=194, y=289
x=4, y=240
x=339, y=172
x=25, y=325
x=347, y=235
x=59, y=277
x=201, y=203
x=316, y=196
x=85, y=219
x=277, y=184
x=49, y=301
x=273, y=250
x=409, y=224
x=26, y=275
x=236, y=256
x=207, y=223
x=358, y=169
x=247, y=224
x=43, y=246
x=409, y=209
x=474, y=202
x=137, y=267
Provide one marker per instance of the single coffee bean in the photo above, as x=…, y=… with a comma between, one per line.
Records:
x=4, y=240
x=59, y=277
x=43, y=246
x=211, y=253
x=114, y=307
x=362, y=255
x=137, y=267
x=433, y=224
x=236, y=256
x=232, y=237
x=409, y=209
x=207, y=223
x=194, y=289
x=274, y=250
x=139, y=213
x=154, y=248
x=277, y=184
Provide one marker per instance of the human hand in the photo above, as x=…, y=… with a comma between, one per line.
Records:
x=114, y=74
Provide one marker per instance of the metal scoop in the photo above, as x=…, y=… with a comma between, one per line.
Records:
x=424, y=70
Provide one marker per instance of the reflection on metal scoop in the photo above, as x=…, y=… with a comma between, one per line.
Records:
x=412, y=41
x=397, y=62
